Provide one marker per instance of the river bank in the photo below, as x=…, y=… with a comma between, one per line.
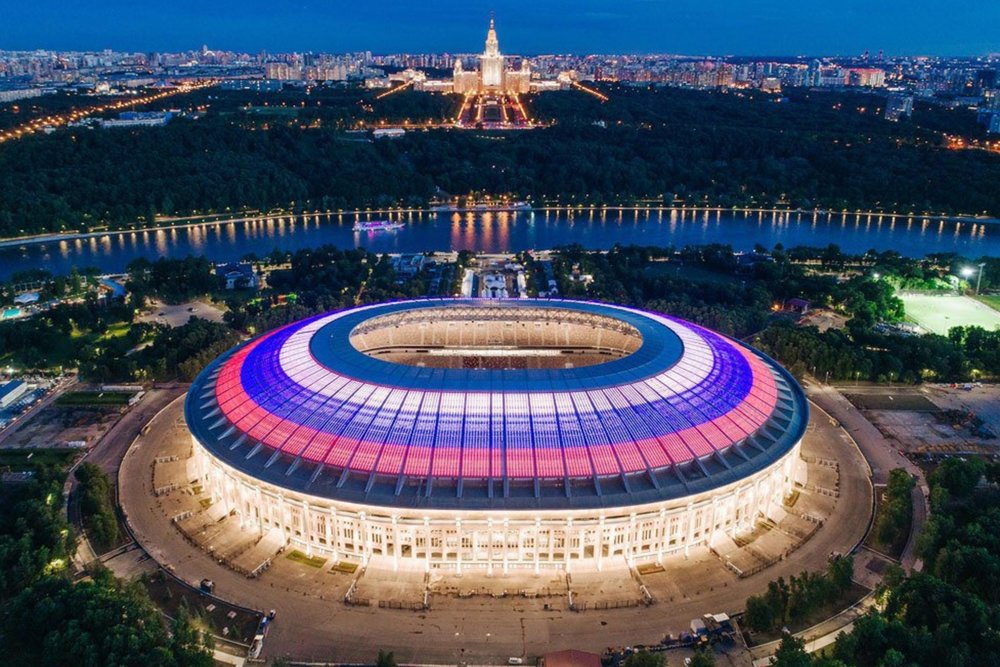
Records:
x=225, y=239
x=255, y=216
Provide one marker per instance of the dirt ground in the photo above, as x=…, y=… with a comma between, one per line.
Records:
x=934, y=419
x=56, y=425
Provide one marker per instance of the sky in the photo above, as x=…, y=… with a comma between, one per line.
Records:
x=693, y=27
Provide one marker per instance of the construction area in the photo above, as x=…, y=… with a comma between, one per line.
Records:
x=933, y=420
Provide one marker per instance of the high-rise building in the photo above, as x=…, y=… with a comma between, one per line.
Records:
x=493, y=75
x=491, y=62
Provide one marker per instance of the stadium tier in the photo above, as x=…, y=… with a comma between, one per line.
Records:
x=520, y=411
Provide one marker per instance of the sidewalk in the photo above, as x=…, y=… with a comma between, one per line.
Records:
x=882, y=459
x=881, y=456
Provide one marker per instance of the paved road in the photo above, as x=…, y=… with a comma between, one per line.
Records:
x=108, y=452
x=476, y=631
x=881, y=456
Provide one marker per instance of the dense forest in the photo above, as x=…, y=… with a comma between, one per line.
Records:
x=704, y=284
x=45, y=619
x=298, y=150
x=947, y=614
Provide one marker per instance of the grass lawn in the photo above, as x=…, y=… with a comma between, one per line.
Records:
x=117, y=330
x=345, y=567
x=25, y=459
x=990, y=300
x=300, y=557
x=94, y=398
x=938, y=314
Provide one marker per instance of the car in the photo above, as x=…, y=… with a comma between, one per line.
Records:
x=515, y=661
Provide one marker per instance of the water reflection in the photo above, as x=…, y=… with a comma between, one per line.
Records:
x=592, y=227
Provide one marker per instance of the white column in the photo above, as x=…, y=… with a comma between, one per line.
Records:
x=281, y=519
x=489, y=548
x=334, y=533
x=427, y=544
x=715, y=519
x=538, y=537
x=458, y=549
x=551, y=533
x=395, y=543
x=599, y=547
x=568, y=531
x=363, y=525
x=327, y=526
x=663, y=533
x=304, y=526
x=690, y=530
x=630, y=557
x=260, y=511
x=506, y=550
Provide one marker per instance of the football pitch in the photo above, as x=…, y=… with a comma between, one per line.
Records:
x=938, y=314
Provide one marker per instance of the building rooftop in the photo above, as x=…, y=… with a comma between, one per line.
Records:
x=514, y=404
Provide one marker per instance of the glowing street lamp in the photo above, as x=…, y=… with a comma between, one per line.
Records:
x=967, y=272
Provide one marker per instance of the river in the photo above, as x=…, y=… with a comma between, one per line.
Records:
x=514, y=231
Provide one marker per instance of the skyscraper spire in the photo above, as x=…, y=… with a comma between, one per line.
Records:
x=491, y=62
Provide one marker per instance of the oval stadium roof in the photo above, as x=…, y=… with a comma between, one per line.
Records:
x=688, y=410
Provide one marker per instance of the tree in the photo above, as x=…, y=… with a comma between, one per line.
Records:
x=385, y=659
x=959, y=477
x=791, y=653
x=99, y=622
x=759, y=615
x=645, y=659
x=703, y=658
x=96, y=509
x=895, y=514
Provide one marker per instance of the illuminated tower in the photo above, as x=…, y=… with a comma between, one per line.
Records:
x=491, y=62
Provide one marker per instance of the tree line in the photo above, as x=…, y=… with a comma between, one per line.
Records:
x=644, y=144
x=46, y=619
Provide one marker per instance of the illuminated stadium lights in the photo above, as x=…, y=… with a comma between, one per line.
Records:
x=414, y=430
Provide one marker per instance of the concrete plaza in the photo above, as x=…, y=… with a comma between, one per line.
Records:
x=446, y=618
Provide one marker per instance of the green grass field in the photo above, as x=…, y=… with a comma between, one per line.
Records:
x=938, y=314
x=93, y=398
x=300, y=557
x=26, y=459
x=990, y=300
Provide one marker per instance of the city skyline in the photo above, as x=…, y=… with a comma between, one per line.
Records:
x=775, y=27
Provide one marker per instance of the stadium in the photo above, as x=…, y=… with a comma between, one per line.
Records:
x=496, y=435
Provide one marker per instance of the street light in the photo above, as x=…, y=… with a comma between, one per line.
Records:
x=967, y=272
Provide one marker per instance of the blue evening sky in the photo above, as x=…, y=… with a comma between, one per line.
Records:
x=740, y=27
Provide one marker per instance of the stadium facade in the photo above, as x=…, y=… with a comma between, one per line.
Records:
x=496, y=434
